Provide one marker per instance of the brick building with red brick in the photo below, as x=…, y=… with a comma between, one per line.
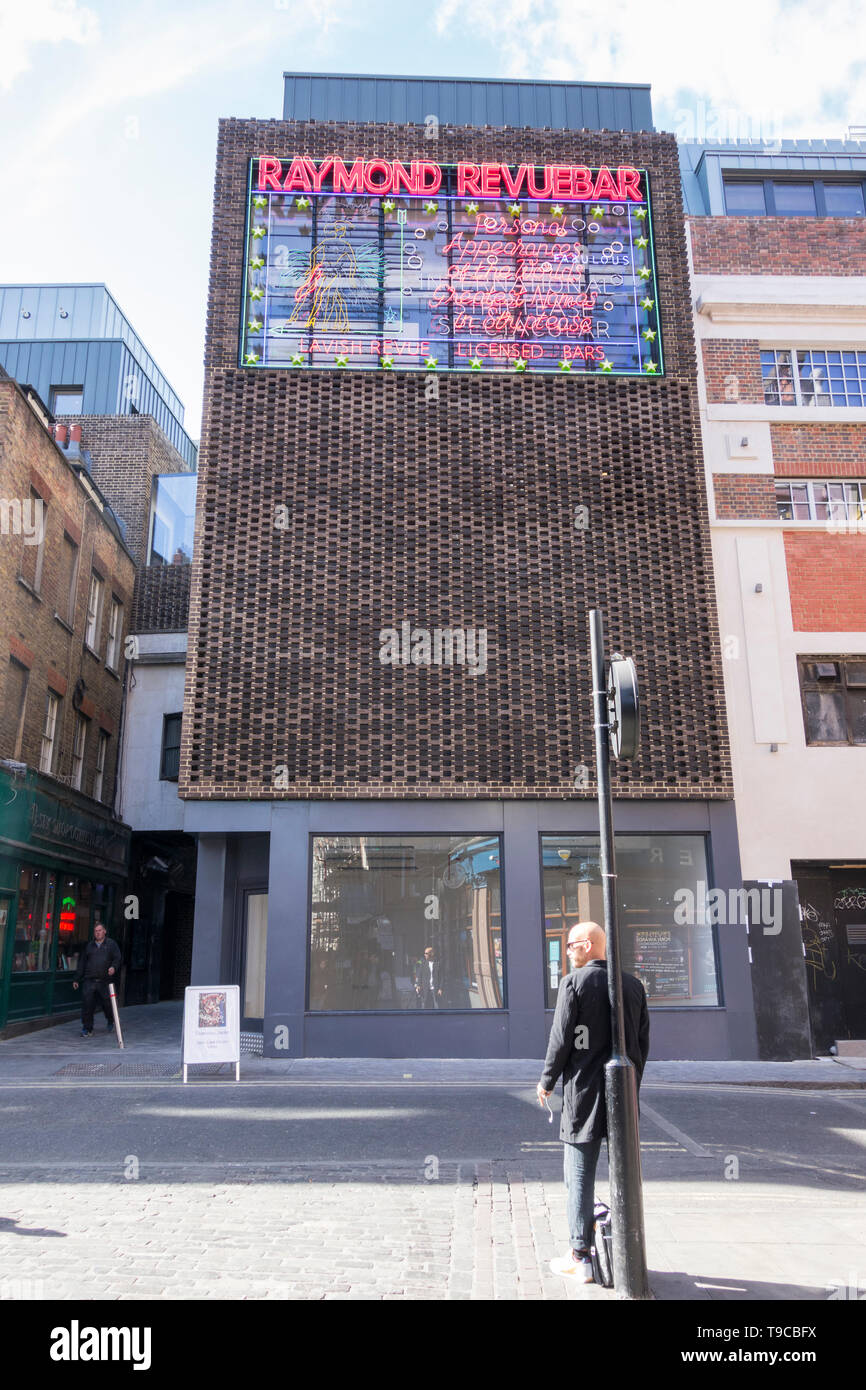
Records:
x=777, y=244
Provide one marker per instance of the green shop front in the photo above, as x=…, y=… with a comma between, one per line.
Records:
x=63, y=865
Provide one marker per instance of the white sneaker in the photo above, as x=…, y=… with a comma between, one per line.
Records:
x=579, y=1270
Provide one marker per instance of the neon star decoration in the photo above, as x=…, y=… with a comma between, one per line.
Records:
x=387, y=362
x=476, y=364
x=564, y=366
x=606, y=366
x=341, y=360
x=647, y=303
x=252, y=358
x=520, y=364
x=259, y=232
x=471, y=208
x=389, y=205
x=645, y=273
x=514, y=209
x=649, y=334
x=640, y=214
x=598, y=212
x=297, y=359
x=257, y=292
x=641, y=241
x=260, y=202
x=302, y=203
x=651, y=369
x=431, y=207
x=257, y=262
x=255, y=325
x=557, y=211
x=431, y=363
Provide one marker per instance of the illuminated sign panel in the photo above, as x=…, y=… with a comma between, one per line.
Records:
x=382, y=264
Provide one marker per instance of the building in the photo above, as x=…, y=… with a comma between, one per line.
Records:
x=777, y=237
x=117, y=417
x=66, y=589
x=451, y=405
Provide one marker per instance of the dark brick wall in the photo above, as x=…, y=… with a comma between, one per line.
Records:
x=161, y=598
x=126, y=451
x=778, y=245
x=451, y=513
x=34, y=628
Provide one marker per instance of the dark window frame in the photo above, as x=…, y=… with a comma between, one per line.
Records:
x=841, y=684
x=769, y=181
x=167, y=748
x=62, y=390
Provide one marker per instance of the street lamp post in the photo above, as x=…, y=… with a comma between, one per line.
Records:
x=616, y=721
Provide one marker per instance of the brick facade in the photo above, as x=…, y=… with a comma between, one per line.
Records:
x=126, y=452
x=819, y=450
x=778, y=245
x=456, y=512
x=827, y=581
x=732, y=370
x=161, y=598
x=44, y=623
x=751, y=496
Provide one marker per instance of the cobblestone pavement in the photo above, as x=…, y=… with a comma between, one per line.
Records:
x=483, y=1231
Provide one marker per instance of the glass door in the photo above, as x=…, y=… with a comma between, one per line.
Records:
x=255, y=956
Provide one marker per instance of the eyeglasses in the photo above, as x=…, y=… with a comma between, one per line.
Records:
x=573, y=945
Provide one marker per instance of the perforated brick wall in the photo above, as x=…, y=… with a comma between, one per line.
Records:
x=451, y=513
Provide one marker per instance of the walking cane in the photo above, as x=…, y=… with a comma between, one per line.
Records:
x=117, y=1031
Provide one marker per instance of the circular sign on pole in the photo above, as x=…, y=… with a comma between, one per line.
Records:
x=623, y=707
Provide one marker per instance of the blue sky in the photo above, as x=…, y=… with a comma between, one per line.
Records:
x=108, y=113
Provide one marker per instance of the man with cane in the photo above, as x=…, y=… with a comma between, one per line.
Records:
x=97, y=964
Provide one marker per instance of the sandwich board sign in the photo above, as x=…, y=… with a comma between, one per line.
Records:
x=212, y=1025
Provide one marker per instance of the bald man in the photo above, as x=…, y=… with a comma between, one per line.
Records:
x=579, y=1047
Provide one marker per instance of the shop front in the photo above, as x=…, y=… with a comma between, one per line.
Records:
x=62, y=870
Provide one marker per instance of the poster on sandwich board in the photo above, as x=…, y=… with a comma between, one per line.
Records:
x=212, y=1025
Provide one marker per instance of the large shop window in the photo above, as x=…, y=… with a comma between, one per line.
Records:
x=406, y=922
x=667, y=939
x=49, y=904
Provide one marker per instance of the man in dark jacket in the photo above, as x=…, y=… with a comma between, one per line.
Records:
x=97, y=964
x=580, y=1045
x=429, y=981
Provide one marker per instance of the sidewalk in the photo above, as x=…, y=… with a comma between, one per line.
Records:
x=152, y=1039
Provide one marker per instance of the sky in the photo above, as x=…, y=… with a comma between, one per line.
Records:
x=108, y=112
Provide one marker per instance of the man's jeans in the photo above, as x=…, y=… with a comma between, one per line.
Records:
x=581, y=1161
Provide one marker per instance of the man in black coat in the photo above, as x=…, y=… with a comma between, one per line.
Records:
x=429, y=981
x=97, y=964
x=580, y=1045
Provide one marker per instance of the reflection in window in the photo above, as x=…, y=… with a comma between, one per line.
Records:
x=406, y=922
x=834, y=699
x=668, y=947
x=34, y=923
x=67, y=400
x=172, y=519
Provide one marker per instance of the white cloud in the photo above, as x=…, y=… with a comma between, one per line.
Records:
x=754, y=67
x=24, y=24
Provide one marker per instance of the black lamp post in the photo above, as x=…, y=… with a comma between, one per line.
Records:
x=616, y=723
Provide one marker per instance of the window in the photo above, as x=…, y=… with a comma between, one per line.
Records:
x=833, y=691
x=78, y=743
x=19, y=679
x=115, y=627
x=172, y=519
x=406, y=922
x=667, y=936
x=99, y=775
x=68, y=579
x=814, y=376
x=821, y=501
x=170, y=764
x=94, y=613
x=67, y=400
x=49, y=732
x=778, y=197
x=32, y=530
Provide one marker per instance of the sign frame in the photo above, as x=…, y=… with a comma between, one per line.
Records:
x=211, y=1026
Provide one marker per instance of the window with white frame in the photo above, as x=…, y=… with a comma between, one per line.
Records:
x=49, y=732
x=814, y=376
x=78, y=743
x=115, y=627
x=94, y=612
x=99, y=775
x=821, y=501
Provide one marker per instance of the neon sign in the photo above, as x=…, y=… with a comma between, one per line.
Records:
x=384, y=264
